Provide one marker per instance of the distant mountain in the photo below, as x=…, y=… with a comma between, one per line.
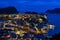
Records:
x=30, y=12
x=8, y=10
x=56, y=10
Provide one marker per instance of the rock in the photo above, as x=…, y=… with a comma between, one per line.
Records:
x=8, y=10
x=54, y=11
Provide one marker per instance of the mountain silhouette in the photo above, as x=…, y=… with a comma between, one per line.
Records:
x=30, y=12
x=56, y=10
x=8, y=10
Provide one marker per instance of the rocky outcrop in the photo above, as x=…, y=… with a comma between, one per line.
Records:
x=56, y=10
x=8, y=10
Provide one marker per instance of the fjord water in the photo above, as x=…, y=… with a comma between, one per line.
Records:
x=55, y=20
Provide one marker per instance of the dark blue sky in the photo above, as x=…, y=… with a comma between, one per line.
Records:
x=31, y=5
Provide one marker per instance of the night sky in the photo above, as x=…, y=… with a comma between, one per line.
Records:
x=31, y=5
